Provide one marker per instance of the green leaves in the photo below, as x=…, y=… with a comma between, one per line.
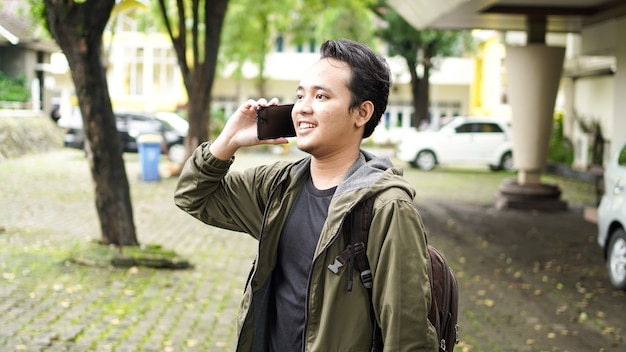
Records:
x=13, y=88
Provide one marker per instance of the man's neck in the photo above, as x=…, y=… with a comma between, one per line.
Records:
x=327, y=172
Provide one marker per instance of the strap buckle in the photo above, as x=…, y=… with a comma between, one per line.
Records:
x=366, y=279
x=336, y=265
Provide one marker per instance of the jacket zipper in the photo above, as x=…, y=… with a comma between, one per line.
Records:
x=255, y=263
x=308, y=289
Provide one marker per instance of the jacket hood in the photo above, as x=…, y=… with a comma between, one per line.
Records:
x=365, y=172
x=368, y=175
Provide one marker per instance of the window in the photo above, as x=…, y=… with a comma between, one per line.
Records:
x=164, y=71
x=134, y=71
x=489, y=128
x=150, y=71
x=465, y=128
x=479, y=127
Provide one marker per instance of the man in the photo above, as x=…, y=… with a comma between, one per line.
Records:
x=293, y=302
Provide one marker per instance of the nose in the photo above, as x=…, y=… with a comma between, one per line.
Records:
x=302, y=107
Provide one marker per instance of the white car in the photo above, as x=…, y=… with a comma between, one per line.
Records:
x=463, y=140
x=612, y=218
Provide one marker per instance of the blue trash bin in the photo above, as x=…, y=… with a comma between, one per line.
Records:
x=149, y=146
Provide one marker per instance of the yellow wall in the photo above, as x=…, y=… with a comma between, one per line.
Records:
x=490, y=80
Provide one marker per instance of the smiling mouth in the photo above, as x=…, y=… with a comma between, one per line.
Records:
x=306, y=125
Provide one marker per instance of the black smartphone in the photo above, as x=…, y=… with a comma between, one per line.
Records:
x=274, y=121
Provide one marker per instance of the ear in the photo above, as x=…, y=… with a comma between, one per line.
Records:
x=364, y=113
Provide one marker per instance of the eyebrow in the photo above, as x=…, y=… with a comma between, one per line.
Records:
x=316, y=87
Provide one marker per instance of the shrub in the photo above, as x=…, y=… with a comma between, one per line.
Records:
x=13, y=88
x=561, y=149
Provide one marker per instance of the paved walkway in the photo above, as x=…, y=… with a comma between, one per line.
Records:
x=47, y=210
x=529, y=281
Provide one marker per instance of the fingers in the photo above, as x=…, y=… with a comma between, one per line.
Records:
x=249, y=106
x=252, y=105
x=273, y=101
x=280, y=140
x=264, y=102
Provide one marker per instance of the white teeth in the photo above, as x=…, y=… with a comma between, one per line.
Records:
x=304, y=125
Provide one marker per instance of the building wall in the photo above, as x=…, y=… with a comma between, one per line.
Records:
x=489, y=94
x=617, y=134
x=135, y=83
x=143, y=72
x=449, y=92
x=606, y=39
x=589, y=88
x=588, y=92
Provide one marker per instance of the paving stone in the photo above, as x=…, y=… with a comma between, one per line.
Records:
x=69, y=299
x=48, y=304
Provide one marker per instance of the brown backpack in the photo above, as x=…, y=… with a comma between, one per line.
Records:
x=443, y=283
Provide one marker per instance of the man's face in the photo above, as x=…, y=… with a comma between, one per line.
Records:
x=324, y=125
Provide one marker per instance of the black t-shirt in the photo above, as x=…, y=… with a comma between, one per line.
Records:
x=296, y=249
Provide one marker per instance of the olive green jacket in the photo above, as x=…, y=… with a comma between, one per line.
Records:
x=257, y=201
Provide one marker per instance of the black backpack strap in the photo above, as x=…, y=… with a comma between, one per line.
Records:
x=355, y=241
x=355, y=237
x=443, y=284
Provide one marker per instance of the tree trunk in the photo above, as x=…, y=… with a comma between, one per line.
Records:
x=423, y=114
x=416, y=93
x=78, y=28
x=198, y=110
x=199, y=75
x=420, y=92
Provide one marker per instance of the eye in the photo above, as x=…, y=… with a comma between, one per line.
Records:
x=320, y=96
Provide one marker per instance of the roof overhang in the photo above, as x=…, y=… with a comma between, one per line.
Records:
x=6, y=35
x=560, y=15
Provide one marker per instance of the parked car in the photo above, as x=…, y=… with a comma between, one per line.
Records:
x=131, y=125
x=612, y=218
x=462, y=140
x=176, y=129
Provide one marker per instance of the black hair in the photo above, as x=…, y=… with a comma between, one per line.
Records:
x=370, y=79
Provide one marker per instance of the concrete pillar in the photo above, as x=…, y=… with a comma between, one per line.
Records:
x=533, y=76
x=534, y=72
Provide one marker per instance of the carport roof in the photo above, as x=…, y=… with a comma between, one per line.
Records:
x=561, y=15
x=21, y=30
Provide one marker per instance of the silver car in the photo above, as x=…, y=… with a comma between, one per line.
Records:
x=612, y=218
